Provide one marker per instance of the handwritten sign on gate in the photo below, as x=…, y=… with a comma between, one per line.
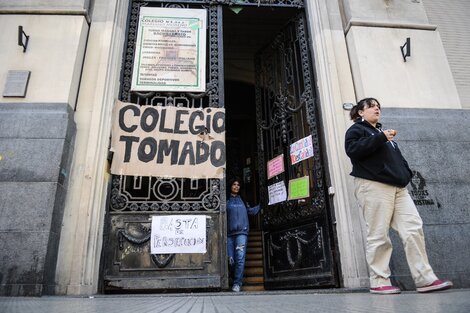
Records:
x=277, y=193
x=301, y=150
x=299, y=188
x=276, y=166
x=168, y=141
x=178, y=234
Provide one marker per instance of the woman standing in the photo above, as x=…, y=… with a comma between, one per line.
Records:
x=381, y=175
x=237, y=232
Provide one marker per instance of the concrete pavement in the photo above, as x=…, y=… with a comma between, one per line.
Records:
x=338, y=301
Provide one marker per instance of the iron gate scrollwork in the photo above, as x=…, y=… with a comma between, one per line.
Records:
x=287, y=113
x=133, y=199
x=296, y=232
x=151, y=194
x=128, y=264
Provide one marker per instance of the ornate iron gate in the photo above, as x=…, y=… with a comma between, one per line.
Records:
x=128, y=264
x=296, y=233
x=134, y=199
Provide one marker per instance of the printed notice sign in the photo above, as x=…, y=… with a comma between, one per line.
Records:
x=170, y=50
x=168, y=141
x=178, y=234
x=299, y=188
x=277, y=193
x=276, y=166
x=301, y=150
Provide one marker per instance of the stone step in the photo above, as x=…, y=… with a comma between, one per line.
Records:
x=255, y=238
x=254, y=256
x=254, y=271
x=253, y=280
x=252, y=288
x=255, y=233
x=254, y=263
x=254, y=244
x=254, y=250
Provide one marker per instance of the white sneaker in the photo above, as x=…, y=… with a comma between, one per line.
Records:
x=236, y=288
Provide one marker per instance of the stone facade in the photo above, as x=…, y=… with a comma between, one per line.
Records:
x=54, y=180
x=435, y=143
x=36, y=147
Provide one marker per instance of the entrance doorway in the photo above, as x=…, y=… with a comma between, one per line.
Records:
x=269, y=106
x=246, y=31
x=244, y=36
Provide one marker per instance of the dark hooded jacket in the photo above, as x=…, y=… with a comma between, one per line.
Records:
x=374, y=157
x=237, y=216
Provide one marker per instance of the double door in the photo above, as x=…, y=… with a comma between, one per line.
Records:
x=296, y=234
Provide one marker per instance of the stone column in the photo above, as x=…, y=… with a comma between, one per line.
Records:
x=82, y=232
x=335, y=87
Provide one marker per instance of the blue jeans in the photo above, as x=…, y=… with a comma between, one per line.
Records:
x=236, y=250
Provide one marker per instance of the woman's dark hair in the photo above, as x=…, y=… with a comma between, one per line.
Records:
x=360, y=106
x=230, y=183
x=229, y=189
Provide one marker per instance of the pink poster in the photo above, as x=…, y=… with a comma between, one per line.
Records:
x=276, y=166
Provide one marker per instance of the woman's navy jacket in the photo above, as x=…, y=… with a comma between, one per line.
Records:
x=237, y=216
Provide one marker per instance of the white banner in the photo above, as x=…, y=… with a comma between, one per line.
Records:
x=178, y=234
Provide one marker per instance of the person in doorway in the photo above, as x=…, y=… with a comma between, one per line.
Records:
x=237, y=231
x=380, y=177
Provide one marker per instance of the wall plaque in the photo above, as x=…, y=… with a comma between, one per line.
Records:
x=16, y=84
x=170, y=50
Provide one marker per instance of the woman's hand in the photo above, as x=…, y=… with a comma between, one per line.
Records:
x=390, y=134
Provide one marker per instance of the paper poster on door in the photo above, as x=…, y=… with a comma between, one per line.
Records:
x=277, y=193
x=170, y=52
x=276, y=166
x=178, y=234
x=168, y=141
x=299, y=188
x=301, y=150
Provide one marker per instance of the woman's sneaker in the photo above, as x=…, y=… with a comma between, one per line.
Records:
x=385, y=290
x=436, y=286
x=236, y=288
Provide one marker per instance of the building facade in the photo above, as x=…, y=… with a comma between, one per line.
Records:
x=69, y=226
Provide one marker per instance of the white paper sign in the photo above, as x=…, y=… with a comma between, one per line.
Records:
x=277, y=193
x=178, y=234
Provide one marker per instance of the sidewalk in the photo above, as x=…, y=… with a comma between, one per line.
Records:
x=451, y=301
